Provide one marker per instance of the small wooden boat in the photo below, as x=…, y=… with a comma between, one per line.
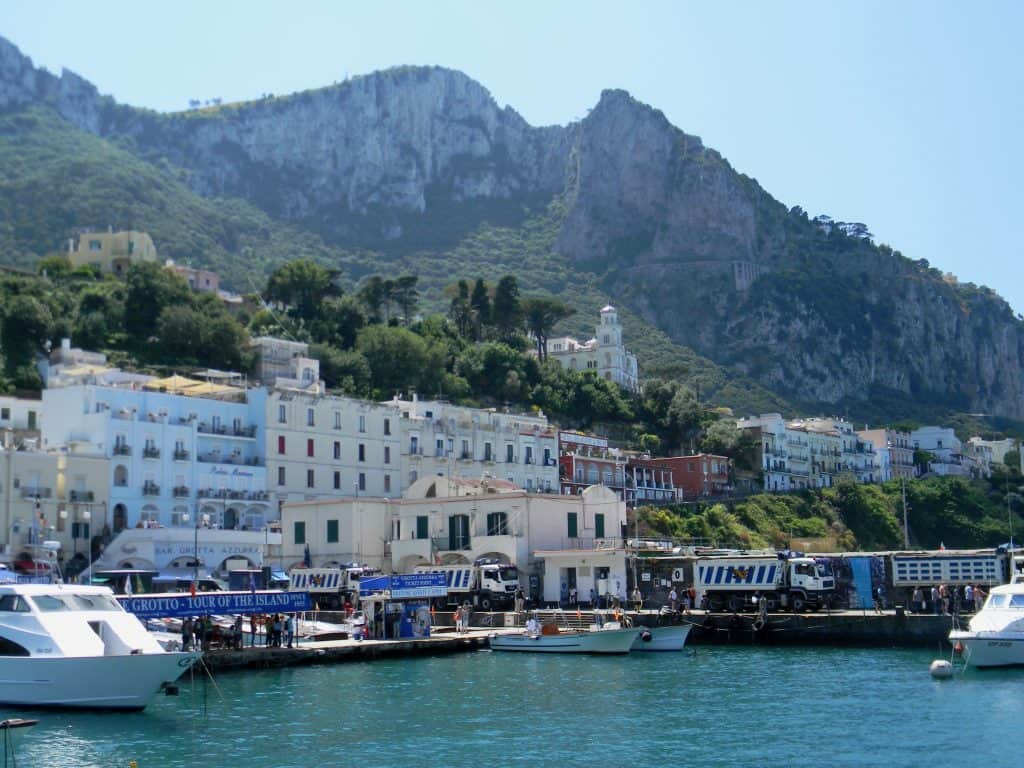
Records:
x=668, y=638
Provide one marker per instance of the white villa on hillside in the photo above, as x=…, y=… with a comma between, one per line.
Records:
x=604, y=353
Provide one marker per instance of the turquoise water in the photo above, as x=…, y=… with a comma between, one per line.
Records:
x=721, y=706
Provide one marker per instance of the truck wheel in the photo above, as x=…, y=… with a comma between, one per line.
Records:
x=485, y=603
x=798, y=604
x=736, y=604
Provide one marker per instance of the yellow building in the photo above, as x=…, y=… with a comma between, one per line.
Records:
x=111, y=252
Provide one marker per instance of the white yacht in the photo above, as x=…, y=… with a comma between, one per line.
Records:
x=995, y=636
x=64, y=645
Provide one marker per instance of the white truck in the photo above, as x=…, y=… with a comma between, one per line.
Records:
x=925, y=569
x=329, y=587
x=485, y=585
x=737, y=583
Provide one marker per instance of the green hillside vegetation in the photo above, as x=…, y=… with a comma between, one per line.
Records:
x=950, y=511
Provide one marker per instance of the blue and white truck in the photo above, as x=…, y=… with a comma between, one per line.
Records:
x=787, y=582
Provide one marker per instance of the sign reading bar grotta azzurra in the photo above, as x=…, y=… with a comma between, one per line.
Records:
x=407, y=585
x=176, y=606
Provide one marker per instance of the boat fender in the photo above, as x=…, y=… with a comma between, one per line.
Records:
x=645, y=636
x=758, y=625
x=709, y=625
x=958, y=648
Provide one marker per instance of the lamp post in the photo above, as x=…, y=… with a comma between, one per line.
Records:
x=87, y=517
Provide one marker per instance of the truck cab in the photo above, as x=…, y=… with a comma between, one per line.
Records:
x=810, y=576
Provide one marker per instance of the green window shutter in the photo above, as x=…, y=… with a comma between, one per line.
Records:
x=332, y=531
x=599, y=526
x=300, y=532
x=421, y=527
x=573, y=527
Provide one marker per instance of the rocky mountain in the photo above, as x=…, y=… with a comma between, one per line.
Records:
x=410, y=165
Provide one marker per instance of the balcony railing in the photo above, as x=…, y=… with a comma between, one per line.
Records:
x=122, y=450
x=181, y=455
x=35, y=492
x=150, y=453
x=180, y=491
x=444, y=544
x=81, y=496
x=233, y=458
x=415, y=450
x=224, y=493
x=225, y=430
x=150, y=489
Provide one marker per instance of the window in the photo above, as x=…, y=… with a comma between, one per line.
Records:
x=300, y=532
x=458, y=532
x=5, y=414
x=387, y=426
x=422, y=527
x=487, y=452
x=497, y=523
x=310, y=417
x=599, y=525
x=387, y=454
x=309, y=447
x=332, y=531
x=509, y=454
x=387, y=483
x=573, y=525
x=280, y=475
x=529, y=455
x=280, y=443
x=337, y=480
x=95, y=245
x=362, y=423
x=337, y=449
x=337, y=419
x=547, y=458
x=282, y=414
x=310, y=478
x=439, y=449
x=362, y=481
x=465, y=450
x=362, y=452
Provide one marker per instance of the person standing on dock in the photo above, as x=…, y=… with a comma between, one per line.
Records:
x=253, y=621
x=936, y=602
x=672, y=597
x=572, y=596
x=289, y=629
x=979, y=598
x=917, y=600
x=638, y=599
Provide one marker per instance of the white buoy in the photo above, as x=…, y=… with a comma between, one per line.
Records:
x=941, y=669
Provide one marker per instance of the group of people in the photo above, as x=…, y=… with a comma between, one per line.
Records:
x=948, y=599
x=683, y=601
x=462, y=616
x=201, y=633
x=278, y=630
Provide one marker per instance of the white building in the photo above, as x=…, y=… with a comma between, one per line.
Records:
x=19, y=415
x=455, y=441
x=946, y=449
x=285, y=364
x=994, y=450
x=460, y=520
x=894, y=450
x=604, y=353
x=327, y=447
x=179, y=451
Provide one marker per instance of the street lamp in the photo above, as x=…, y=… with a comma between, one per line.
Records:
x=87, y=517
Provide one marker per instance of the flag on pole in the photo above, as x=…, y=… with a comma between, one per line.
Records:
x=128, y=585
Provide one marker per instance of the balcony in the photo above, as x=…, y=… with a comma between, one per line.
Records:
x=231, y=458
x=180, y=492
x=222, y=430
x=80, y=497
x=120, y=449
x=181, y=455
x=226, y=494
x=444, y=544
x=150, y=452
x=150, y=489
x=465, y=456
x=415, y=450
x=35, y=492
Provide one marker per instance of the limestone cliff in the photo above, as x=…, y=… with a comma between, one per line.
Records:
x=419, y=156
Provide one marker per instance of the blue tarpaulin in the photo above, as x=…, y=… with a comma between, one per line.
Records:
x=861, y=570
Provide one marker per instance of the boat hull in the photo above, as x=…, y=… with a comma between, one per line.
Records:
x=601, y=641
x=987, y=649
x=125, y=682
x=668, y=638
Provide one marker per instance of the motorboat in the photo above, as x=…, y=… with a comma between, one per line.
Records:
x=65, y=645
x=671, y=637
x=552, y=639
x=995, y=636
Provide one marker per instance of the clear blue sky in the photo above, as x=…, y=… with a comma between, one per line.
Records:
x=906, y=116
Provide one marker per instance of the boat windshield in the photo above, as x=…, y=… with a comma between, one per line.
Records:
x=75, y=602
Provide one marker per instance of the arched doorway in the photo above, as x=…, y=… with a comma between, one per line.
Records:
x=120, y=518
x=230, y=518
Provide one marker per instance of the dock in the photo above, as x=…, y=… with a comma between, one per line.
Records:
x=890, y=628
